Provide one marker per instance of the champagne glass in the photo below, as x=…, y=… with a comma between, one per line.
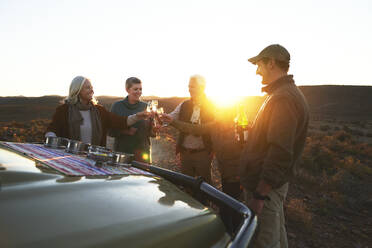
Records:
x=154, y=104
x=160, y=112
x=149, y=106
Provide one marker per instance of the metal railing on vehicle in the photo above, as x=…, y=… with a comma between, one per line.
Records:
x=241, y=234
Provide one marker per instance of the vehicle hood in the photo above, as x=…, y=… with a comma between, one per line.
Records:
x=42, y=209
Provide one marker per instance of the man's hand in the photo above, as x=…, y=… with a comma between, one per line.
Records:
x=256, y=205
x=166, y=118
x=156, y=129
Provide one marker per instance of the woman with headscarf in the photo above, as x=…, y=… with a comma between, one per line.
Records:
x=81, y=118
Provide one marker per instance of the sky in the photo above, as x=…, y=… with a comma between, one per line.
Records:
x=44, y=44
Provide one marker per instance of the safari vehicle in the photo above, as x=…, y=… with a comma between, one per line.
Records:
x=51, y=198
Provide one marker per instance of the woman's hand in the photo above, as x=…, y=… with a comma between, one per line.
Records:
x=142, y=115
x=129, y=131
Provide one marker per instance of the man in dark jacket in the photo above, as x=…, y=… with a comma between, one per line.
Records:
x=195, y=150
x=277, y=139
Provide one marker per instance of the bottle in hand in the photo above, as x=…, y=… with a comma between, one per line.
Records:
x=241, y=125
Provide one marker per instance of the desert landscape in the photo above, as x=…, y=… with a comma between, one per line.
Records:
x=330, y=202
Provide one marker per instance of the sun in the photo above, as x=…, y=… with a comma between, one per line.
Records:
x=224, y=101
x=220, y=97
x=229, y=95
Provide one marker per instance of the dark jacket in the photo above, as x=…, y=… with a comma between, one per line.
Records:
x=206, y=115
x=60, y=127
x=277, y=137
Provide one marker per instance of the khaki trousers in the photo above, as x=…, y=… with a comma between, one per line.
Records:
x=271, y=231
x=196, y=164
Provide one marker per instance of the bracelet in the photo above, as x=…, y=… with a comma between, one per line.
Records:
x=258, y=196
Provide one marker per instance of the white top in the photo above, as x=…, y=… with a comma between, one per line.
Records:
x=190, y=141
x=86, y=127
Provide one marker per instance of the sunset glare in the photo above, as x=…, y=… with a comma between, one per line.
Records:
x=225, y=101
x=230, y=92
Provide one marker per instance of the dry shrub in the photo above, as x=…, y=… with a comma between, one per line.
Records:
x=324, y=127
x=335, y=182
x=365, y=150
x=317, y=157
x=297, y=212
x=329, y=153
x=342, y=136
x=32, y=131
x=323, y=206
x=304, y=175
x=347, y=129
x=338, y=198
x=357, y=132
x=336, y=163
x=355, y=167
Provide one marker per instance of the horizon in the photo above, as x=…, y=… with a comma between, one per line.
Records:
x=185, y=96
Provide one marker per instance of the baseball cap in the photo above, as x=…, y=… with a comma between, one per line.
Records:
x=274, y=51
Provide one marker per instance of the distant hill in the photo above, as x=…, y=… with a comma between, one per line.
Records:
x=27, y=108
x=340, y=102
x=21, y=108
x=326, y=101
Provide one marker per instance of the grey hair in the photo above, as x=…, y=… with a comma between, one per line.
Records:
x=75, y=88
x=200, y=80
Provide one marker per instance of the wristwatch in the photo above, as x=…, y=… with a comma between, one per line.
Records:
x=258, y=196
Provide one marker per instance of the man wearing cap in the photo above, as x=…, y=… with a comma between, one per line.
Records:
x=277, y=139
x=195, y=150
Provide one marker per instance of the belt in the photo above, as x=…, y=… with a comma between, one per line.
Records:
x=192, y=150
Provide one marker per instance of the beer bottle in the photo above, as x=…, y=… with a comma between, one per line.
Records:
x=241, y=124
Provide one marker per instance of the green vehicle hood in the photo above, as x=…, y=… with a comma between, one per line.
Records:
x=45, y=209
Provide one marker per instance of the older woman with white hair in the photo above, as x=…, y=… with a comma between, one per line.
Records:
x=81, y=118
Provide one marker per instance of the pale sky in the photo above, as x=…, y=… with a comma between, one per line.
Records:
x=45, y=43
